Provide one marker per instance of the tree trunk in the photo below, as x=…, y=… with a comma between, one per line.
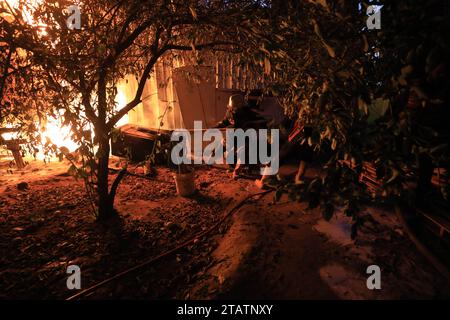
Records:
x=105, y=203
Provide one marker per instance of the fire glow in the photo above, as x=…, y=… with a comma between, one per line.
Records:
x=58, y=135
x=26, y=11
x=53, y=131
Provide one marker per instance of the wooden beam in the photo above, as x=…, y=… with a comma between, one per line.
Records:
x=8, y=130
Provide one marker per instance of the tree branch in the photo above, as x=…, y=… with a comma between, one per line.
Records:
x=137, y=98
x=115, y=185
x=5, y=75
x=201, y=46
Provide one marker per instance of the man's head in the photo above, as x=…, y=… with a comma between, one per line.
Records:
x=236, y=102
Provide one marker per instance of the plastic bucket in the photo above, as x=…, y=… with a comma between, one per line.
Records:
x=185, y=183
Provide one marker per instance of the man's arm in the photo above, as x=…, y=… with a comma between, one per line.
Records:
x=224, y=123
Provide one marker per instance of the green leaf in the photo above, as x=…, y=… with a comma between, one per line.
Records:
x=314, y=202
x=395, y=175
x=354, y=231
x=278, y=195
x=328, y=211
x=330, y=49
x=333, y=144
x=267, y=66
x=366, y=43
x=193, y=13
x=420, y=92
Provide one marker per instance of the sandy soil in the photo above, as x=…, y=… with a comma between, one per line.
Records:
x=266, y=250
x=285, y=251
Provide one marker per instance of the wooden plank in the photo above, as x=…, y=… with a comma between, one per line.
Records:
x=8, y=130
x=14, y=147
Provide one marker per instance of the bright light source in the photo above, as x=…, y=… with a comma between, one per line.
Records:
x=121, y=101
x=59, y=135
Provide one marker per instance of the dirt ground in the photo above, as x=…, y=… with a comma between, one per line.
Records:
x=265, y=250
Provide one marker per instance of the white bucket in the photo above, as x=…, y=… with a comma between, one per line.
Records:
x=185, y=183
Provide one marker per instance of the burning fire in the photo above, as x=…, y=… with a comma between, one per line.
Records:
x=121, y=101
x=61, y=136
x=58, y=135
x=13, y=3
x=54, y=131
x=27, y=13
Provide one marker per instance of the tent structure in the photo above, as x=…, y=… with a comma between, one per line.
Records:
x=177, y=95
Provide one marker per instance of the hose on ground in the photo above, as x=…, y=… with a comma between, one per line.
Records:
x=166, y=253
